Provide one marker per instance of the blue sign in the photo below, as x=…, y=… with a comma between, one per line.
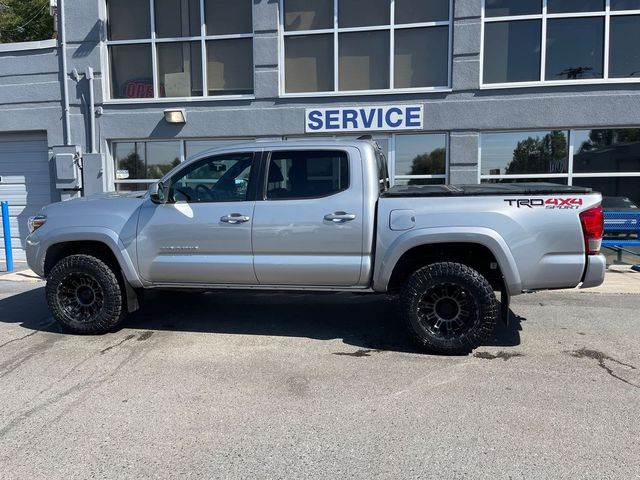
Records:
x=356, y=119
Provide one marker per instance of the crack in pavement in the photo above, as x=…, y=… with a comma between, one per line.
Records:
x=105, y=350
x=42, y=325
x=601, y=357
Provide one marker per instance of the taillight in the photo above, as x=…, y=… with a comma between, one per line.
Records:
x=593, y=228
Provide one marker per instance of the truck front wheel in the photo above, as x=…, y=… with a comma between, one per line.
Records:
x=84, y=295
x=449, y=308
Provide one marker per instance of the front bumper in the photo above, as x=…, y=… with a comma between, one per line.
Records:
x=33, y=250
x=594, y=275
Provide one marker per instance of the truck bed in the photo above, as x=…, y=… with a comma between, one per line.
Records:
x=485, y=189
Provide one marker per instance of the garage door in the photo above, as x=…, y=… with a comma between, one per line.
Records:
x=25, y=182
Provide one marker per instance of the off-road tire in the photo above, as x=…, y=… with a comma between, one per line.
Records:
x=474, y=295
x=99, y=302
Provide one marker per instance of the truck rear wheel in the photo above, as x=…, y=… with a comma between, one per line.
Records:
x=449, y=308
x=84, y=295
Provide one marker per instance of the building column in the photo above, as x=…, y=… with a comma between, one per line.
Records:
x=463, y=157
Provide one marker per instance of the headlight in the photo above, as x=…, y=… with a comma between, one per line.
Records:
x=36, y=222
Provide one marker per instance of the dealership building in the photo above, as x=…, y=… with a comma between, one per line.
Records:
x=454, y=91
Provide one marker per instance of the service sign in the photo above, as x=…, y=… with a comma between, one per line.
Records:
x=363, y=119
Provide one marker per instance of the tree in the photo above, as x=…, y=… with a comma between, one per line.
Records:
x=25, y=21
x=433, y=163
x=540, y=155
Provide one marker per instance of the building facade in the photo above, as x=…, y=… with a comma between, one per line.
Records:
x=455, y=91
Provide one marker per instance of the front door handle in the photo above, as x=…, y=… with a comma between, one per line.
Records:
x=235, y=218
x=339, y=217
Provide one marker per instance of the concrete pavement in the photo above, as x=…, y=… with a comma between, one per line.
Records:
x=318, y=386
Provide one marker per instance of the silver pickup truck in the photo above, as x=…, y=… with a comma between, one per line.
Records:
x=320, y=216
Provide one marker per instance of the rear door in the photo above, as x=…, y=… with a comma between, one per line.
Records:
x=308, y=230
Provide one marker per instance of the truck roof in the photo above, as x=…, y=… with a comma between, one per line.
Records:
x=293, y=143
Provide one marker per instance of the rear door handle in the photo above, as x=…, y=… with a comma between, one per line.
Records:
x=235, y=218
x=339, y=217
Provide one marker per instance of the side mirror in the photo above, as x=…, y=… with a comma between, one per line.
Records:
x=158, y=193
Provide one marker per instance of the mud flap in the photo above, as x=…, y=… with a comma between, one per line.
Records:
x=133, y=297
x=505, y=301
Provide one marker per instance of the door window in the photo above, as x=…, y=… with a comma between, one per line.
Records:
x=307, y=174
x=223, y=178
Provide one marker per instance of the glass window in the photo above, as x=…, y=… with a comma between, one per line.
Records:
x=574, y=48
x=524, y=153
x=179, y=63
x=310, y=174
x=308, y=14
x=421, y=57
x=180, y=69
x=223, y=17
x=562, y=6
x=309, y=63
x=613, y=150
x=557, y=181
x=143, y=161
x=503, y=8
x=130, y=160
x=128, y=20
x=194, y=147
x=177, y=18
x=131, y=71
x=512, y=51
x=415, y=11
x=422, y=154
x=625, y=4
x=223, y=178
x=364, y=60
x=161, y=158
x=230, y=66
x=616, y=190
x=624, y=54
x=363, y=13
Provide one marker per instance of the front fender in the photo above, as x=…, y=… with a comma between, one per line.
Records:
x=41, y=244
x=426, y=236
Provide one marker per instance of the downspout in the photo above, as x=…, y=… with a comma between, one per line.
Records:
x=92, y=109
x=65, y=86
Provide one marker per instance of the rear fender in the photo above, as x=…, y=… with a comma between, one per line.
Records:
x=426, y=236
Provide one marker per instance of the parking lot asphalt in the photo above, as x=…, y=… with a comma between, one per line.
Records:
x=235, y=385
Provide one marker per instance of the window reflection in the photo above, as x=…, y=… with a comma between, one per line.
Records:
x=624, y=54
x=503, y=8
x=612, y=150
x=512, y=51
x=421, y=155
x=521, y=153
x=574, y=48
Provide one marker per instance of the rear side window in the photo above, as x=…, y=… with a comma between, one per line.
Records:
x=307, y=174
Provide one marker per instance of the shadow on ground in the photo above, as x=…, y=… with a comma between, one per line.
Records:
x=363, y=321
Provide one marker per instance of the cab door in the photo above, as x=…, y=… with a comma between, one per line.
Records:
x=202, y=235
x=308, y=230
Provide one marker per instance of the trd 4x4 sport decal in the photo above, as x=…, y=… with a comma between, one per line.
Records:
x=549, y=203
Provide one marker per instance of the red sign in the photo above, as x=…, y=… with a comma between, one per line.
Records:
x=139, y=89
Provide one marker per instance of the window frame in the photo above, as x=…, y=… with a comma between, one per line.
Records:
x=153, y=41
x=570, y=176
x=262, y=196
x=606, y=14
x=336, y=30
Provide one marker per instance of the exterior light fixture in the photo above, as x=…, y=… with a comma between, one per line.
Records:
x=175, y=115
